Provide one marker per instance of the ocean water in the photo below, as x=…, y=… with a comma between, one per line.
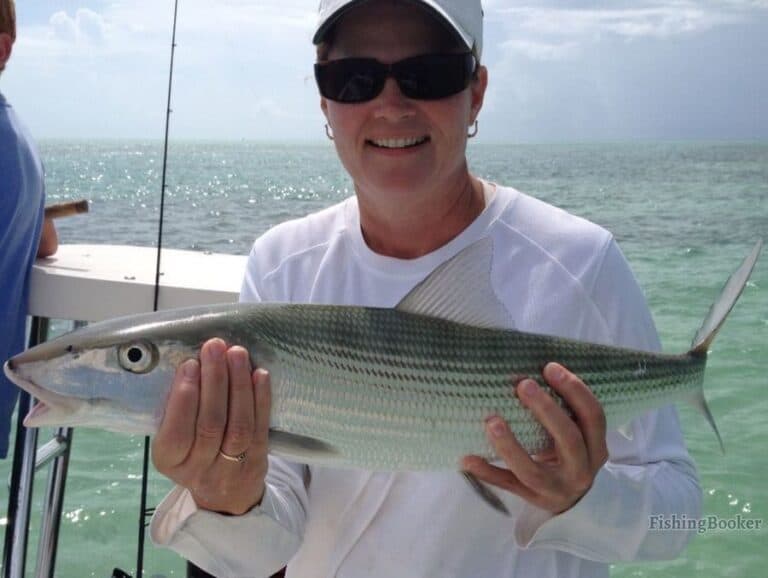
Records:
x=685, y=215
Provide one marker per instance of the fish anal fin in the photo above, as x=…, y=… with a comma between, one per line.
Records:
x=485, y=493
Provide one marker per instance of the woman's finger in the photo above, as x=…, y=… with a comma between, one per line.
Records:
x=214, y=401
x=176, y=434
x=568, y=439
x=238, y=435
x=588, y=412
x=499, y=477
x=262, y=408
x=513, y=454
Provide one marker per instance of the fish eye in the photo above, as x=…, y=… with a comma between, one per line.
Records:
x=138, y=357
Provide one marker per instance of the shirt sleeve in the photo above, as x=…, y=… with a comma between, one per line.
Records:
x=647, y=478
x=254, y=544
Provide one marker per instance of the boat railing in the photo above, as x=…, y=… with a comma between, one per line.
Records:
x=90, y=283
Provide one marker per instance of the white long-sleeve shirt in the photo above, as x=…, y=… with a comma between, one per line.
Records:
x=557, y=274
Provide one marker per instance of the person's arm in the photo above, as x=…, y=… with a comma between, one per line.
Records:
x=224, y=515
x=210, y=517
x=645, y=480
x=49, y=239
x=578, y=502
x=257, y=543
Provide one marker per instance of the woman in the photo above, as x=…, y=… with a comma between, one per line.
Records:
x=401, y=86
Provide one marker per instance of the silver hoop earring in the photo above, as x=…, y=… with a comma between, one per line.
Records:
x=328, y=132
x=473, y=134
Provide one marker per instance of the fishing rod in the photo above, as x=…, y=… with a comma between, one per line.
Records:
x=143, y=511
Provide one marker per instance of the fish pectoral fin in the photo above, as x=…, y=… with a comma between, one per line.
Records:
x=460, y=290
x=300, y=447
x=487, y=495
x=698, y=401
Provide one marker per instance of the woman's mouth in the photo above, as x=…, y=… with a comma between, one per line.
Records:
x=398, y=143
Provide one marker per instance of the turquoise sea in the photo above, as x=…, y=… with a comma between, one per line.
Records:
x=684, y=213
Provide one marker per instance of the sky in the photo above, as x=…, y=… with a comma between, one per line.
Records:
x=559, y=70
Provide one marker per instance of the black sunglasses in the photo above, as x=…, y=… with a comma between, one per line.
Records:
x=425, y=77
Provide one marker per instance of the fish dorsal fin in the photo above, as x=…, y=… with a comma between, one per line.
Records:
x=460, y=290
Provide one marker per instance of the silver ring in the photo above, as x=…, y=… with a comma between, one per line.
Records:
x=238, y=459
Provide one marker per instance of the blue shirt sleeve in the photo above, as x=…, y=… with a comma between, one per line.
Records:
x=22, y=195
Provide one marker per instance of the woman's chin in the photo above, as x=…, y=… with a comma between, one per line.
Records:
x=401, y=187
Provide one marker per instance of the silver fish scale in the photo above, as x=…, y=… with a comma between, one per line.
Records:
x=392, y=390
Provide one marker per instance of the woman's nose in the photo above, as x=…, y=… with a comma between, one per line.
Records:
x=392, y=104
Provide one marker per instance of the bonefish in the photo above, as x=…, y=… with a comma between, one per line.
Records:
x=383, y=389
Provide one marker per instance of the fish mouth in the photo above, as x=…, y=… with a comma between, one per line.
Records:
x=49, y=404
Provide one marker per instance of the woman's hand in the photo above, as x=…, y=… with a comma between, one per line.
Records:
x=213, y=437
x=556, y=479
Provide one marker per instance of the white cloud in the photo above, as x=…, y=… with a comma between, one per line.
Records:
x=535, y=50
x=557, y=30
x=91, y=25
x=743, y=4
x=143, y=26
x=269, y=107
x=86, y=26
x=224, y=19
x=244, y=67
x=64, y=27
x=653, y=21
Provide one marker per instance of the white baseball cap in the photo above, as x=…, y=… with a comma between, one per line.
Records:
x=464, y=17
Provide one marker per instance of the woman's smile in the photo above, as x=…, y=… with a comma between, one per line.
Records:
x=398, y=146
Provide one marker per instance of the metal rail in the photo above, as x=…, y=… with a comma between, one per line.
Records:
x=53, y=502
x=22, y=478
x=27, y=460
x=20, y=495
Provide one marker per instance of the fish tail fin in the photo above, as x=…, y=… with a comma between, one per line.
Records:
x=724, y=303
x=714, y=321
x=698, y=401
